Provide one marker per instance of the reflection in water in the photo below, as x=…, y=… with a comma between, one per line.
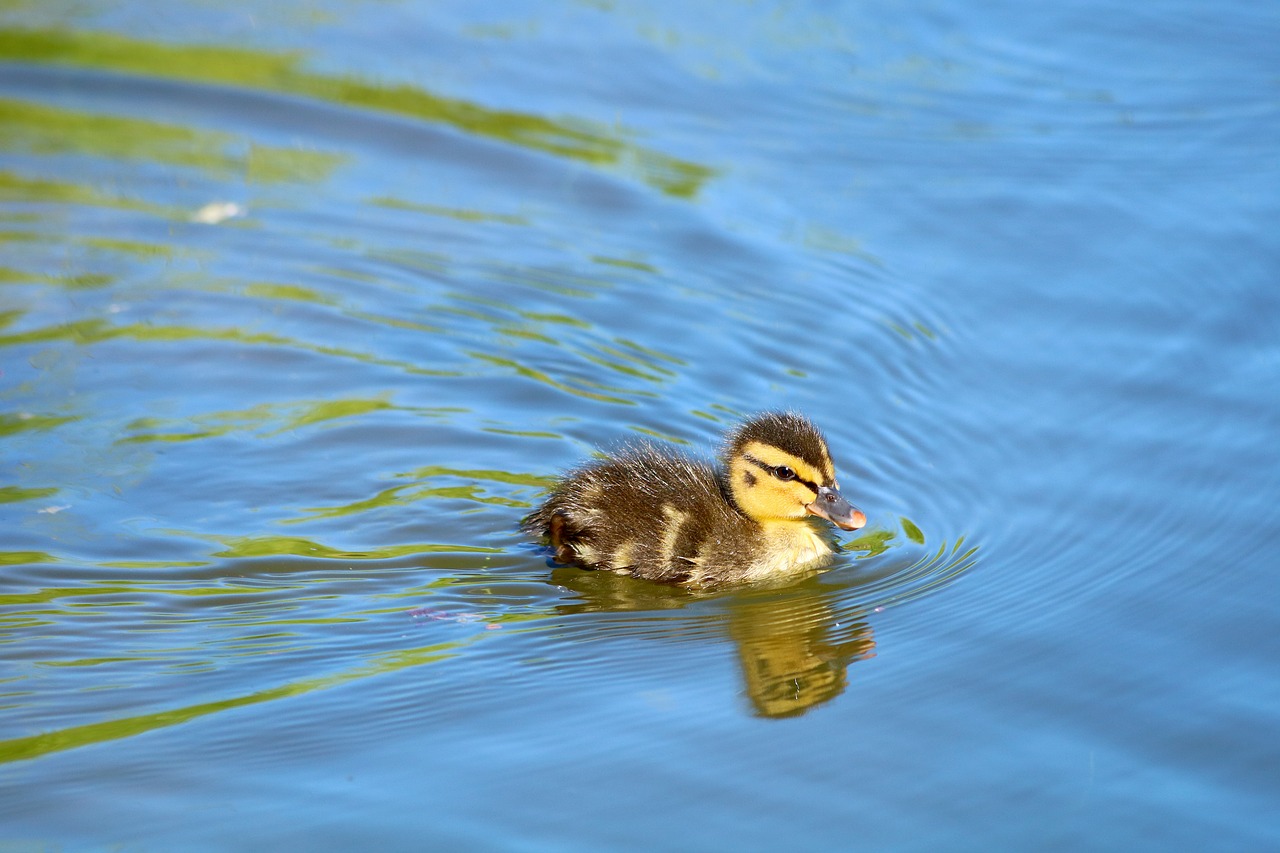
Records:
x=794, y=653
x=41, y=129
x=793, y=645
x=22, y=189
x=265, y=71
x=794, y=639
x=47, y=742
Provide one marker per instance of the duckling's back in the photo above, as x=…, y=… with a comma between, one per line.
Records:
x=644, y=513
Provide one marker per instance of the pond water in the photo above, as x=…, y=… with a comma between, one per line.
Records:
x=302, y=305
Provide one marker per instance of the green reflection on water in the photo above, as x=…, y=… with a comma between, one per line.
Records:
x=27, y=422
x=917, y=330
x=329, y=410
x=410, y=493
x=561, y=282
x=289, y=546
x=524, y=433
x=151, y=564
x=23, y=558
x=267, y=419
x=35, y=746
x=400, y=495
x=277, y=291
x=113, y=589
x=638, y=266
x=95, y=330
x=629, y=365
x=602, y=393
x=75, y=280
x=292, y=292
x=13, y=494
x=40, y=129
x=448, y=212
x=135, y=248
x=280, y=72
x=82, y=662
x=17, y=188
x=474, y=474
x=431, y=263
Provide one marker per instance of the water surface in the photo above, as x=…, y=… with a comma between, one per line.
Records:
x=302, y=305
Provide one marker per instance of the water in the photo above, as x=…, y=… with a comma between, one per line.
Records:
x=302, y=305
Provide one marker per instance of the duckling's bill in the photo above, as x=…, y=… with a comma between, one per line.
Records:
x=832, y=506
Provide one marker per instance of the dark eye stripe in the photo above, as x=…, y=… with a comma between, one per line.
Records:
x=770, y=468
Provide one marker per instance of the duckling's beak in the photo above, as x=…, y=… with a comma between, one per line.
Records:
x=835, y=509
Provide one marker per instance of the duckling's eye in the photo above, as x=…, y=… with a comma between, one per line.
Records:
x=782, y=472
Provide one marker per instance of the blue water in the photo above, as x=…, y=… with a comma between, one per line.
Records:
x=302, y=305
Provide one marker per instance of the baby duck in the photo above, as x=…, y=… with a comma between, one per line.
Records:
x=664, y=517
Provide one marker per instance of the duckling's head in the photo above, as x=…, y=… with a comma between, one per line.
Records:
x=780, y=470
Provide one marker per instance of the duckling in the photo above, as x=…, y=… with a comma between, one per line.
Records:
x=665, y=517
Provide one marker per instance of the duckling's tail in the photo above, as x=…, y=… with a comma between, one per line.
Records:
x=559, y=538
x=553, y=525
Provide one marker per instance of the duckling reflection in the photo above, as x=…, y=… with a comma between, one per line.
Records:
x=795, y=653
x=793, y=646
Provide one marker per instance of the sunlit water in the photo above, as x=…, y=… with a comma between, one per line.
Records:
x=302, y=306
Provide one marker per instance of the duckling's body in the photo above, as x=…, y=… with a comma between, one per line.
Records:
x=663, y=517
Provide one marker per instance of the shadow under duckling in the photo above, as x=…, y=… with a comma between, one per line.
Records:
x=665, y=517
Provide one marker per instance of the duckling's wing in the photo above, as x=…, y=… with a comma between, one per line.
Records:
x=641, y=510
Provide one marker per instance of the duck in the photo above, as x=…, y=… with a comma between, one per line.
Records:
x=663, y=516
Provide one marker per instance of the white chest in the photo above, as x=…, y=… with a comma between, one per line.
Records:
x=792, y=548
